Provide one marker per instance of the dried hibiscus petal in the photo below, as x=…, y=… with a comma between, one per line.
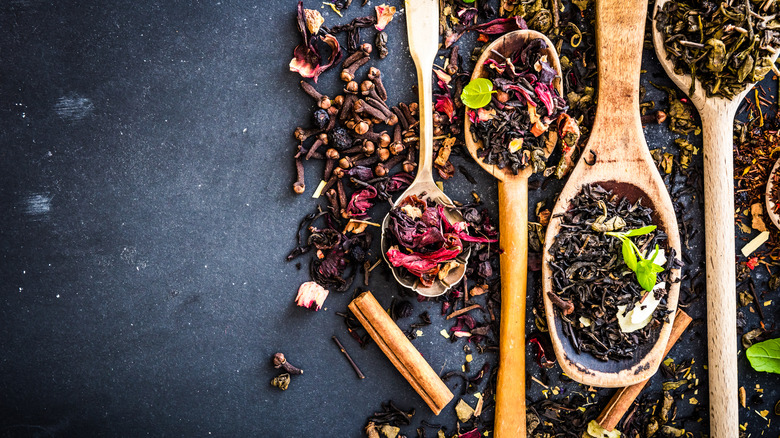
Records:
x=306, y=59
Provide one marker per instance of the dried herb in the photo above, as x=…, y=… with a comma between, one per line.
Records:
x=605, y=310
x=722, y=45
x=424, y=242
x=307, y=60
x=513, y=127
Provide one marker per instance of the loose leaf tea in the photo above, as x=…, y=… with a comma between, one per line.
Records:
x=606, y=310
x=424, y=242
x=514, y=126
x=722, y=45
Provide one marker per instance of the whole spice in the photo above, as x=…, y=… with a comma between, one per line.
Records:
x=281, y=362
x=282, y=381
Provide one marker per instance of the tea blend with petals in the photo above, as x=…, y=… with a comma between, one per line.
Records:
x=723, y=46
x=423, y=241
x=514, y=124
x=604, y=308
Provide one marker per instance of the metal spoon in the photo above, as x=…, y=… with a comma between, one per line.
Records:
x=717, y=118
x=422, y=28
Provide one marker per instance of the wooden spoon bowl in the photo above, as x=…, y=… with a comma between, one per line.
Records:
x=771, y=202
x=617, y=158
x=513, y=232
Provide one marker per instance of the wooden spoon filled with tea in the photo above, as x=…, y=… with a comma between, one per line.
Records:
x=511, y=162
x=724, y=54
x=606, y=315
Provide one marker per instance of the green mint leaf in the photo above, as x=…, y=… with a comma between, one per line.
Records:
x=765, y=356
x=656, y=268
x=628, y=255
x=645, y=277
x=641, y=231
x=477, y=93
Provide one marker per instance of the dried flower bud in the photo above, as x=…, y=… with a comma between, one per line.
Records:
x=282, y=381
x=281, y=362
x=311, y=295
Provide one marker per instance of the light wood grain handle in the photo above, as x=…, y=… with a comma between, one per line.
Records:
x=619, y=41
x=720, y=270
x=510, y=393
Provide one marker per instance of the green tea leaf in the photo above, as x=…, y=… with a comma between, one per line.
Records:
x=641, y=231
x=477, y=93
x=765, y=356
x=628, y=255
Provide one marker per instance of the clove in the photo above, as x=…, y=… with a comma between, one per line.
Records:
x=281, y=362
x=299, y=186
x=375, y=75
x=322, y=100
x=348, y=74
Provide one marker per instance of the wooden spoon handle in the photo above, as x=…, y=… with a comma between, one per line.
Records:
x=619, y=39
x=510, y=393
x=720, y=269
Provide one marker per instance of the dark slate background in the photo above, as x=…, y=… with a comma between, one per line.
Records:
x=145, y=190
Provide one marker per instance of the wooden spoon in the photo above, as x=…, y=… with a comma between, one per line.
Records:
x=717, y=118
x=422, y=28
x=771, y=205
x=617, y=158
x=513, y=226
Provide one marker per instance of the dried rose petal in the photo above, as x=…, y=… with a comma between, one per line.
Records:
x=384, y=14
x=311, y=295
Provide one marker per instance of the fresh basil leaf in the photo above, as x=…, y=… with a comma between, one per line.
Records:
x=628, y=255
x=641, y=231
x=477, y=93
x=765, y=356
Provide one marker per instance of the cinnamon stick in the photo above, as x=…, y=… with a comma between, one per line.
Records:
x=401, y=352
x=624, y=397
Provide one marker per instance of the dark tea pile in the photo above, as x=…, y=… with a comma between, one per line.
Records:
x=514, y=126
x=591, y=280
x=423, y=242
x=722, y=45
